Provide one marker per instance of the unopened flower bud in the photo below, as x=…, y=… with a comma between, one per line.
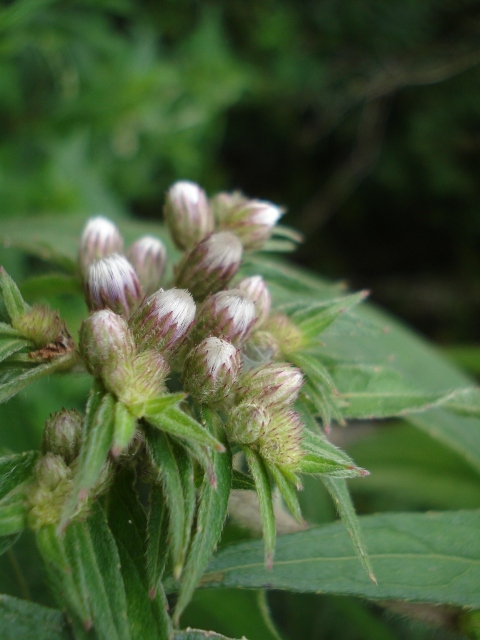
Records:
x=148, y=257
x=287, y=335
x=163, y=320
x=260, y=349
x=210, y=265
x=275, y=385
x=41, y=325
x=112, y=283
x=100, y=238
x=247, y=422
x=251, y=220
x=108, y=348
x=211, y=369
x=147, y=380
x=62, y=434
x=50, y=470
x=187, y=214
x=281, y=441
x=256, y=289
x=47, y=495
x=228, y=314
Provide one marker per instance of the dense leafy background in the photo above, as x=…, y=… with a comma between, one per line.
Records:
x=362, y=118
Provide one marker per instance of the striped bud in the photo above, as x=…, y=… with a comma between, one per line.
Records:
x=229, y=314
x=62, y=435
x=99, y=239
x=210, y=265
x=108, y=348
x=187, y=214
x=251, y=220
x=112, y=283
x=256, y=289
x=148, y=256
x=211, y=369
x=281, y=441
x=275, y=385
x=163, y=320
x=247, y=422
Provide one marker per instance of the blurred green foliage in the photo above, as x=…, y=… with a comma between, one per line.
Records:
x=361, y=117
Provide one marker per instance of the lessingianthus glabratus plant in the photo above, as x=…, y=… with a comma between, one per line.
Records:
x=200, y=387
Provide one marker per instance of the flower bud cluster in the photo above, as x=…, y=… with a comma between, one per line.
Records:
x=203, y=327
x=263, y=417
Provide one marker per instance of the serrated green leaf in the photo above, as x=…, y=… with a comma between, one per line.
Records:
x=161, y=451
x=15, y=304
x=13, y=513
x=314, y=318
x=379, y=392
x=177, y=423
x=147, y=617
x=211, y=514
x=432, y=557
x=265, y=501
x=338, y=490
x=466, y=403
x=21, y=619
x=387, y=343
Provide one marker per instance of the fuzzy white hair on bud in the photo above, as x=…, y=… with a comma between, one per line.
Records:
x=210, y=265
x=224, y=248
x=112, y=283
x=265, y=213
x=230, y=314
x=188, y=214
x=256, y=289
x=190, y=191
x=211, y=369
x=148, y=257
x=164, y=319
x=219, y=354
x=99, y=239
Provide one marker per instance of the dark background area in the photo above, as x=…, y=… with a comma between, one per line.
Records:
x=363, y=119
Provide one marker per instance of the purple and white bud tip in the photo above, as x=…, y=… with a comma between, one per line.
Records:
x=100, y=238
x=256, y=289
x=112, y=283
x=274, y=385
x=211, y=369
x=229, y=314
x=148, y=256
x=251, y=220
x=187, y=214
x=210, y=265
x=163, y=320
